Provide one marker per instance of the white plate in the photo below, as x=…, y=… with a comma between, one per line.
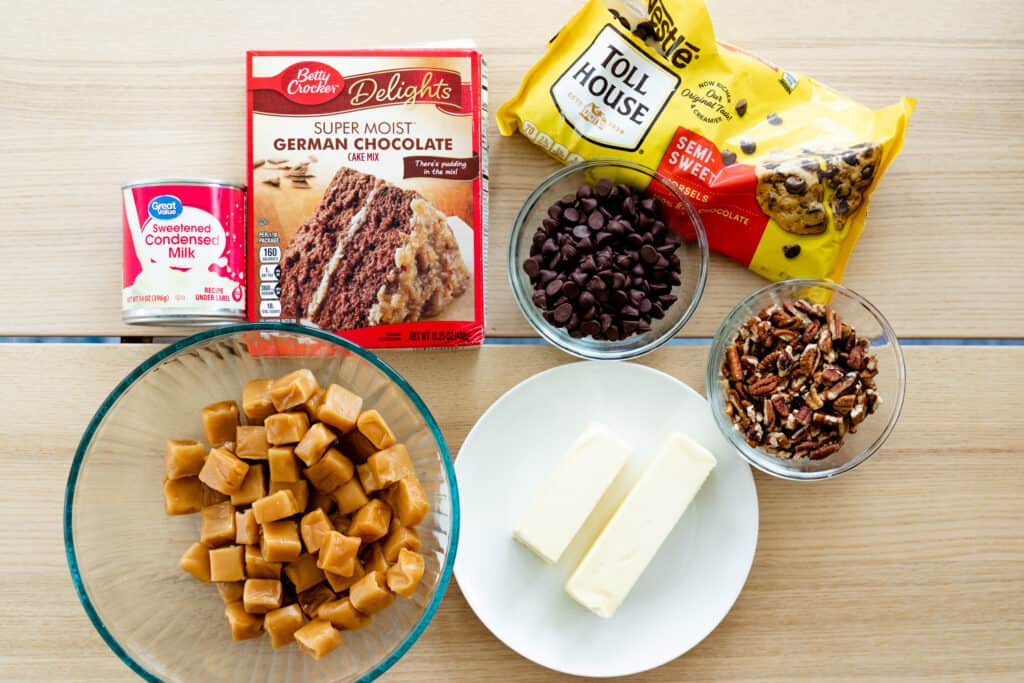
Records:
x=692, y=582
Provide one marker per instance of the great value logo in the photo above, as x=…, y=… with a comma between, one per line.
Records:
x=612, y=94
x=165, y=207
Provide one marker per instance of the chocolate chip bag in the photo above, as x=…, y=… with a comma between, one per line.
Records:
x=779, y=166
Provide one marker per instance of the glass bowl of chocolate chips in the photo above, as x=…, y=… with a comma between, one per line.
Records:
x=607, y=259
x=806, y=379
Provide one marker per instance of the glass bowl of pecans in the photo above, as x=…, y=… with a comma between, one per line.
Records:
x=242, y=507
x=806, y=379
x=607, y=259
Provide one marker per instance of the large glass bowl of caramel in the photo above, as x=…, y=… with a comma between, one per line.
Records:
x=123, y=550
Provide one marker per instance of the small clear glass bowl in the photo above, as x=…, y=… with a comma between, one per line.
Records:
x=692, y=252
x=891, y=379
x=123, y=550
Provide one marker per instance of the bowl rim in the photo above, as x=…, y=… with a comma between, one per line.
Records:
x=182, y=344
x=724, y=334
x=529, y=311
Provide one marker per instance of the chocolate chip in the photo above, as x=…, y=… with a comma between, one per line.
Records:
x=748, y=146
x=648, y=254
x=531, y=268
x=555, y=211
x=591, y=328
x=545, y=276
x=791, y=250
x=604, y=186
x=867, y=171
x=554, y=287
x=842, y=207
x=588, y=204
x=774, y=119
x=850, y=158
x=570, y=290
x=795, y=185
x=585, y=191
x=741, y=108
x=581, y=232
x=595, y=220
x=647, y=205
x=563, y=313
x=728, y=157
x=586, y=300
x=540, y=299
x=571, y=215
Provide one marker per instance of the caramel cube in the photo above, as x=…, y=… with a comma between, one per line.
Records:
x=230, y=591
x=367, y=478
x=211, y=497
x=314, y=403
x=256, y=402
x=370, y=594
x=286, y=428
x=280, y=541
x=196, y=561
x=406, y=573
x=318, y=638
x=357, y=447
x=251, y=442
x=371, y=521
x=340, y=408
x=183, y=458
x=320, y=500
x=333, y=470
x=253, y=487
x=338, y=553
x=293, y=389
x=299, y=489
x=282, y=623
x=227, y=564
x=371, y=425
x=223, y=471
x=374, y=560
x=399, y=537
x=284, y=466
x=243, y=625
x=219, y=422
x=303, y=572
x=247, y=529
x=311, y=599
x=409, y=501
x=314, y=444
x=313, y=527
x=391, y=465
x=217, y=524
x=183, y=496
x=339, y=583
x=275, y=506
x=258, y=568
x=343, y=615
x=350, y=496
x=262, y=595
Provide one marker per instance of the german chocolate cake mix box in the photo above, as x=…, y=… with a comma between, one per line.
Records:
x=368, y=191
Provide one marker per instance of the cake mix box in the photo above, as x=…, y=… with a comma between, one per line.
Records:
x=368, y=193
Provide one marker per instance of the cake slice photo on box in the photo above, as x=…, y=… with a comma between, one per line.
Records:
x=372, y=254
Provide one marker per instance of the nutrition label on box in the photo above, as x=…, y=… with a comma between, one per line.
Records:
x=270, y=281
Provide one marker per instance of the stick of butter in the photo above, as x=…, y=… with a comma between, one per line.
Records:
x=643, y=521
x=571, y=491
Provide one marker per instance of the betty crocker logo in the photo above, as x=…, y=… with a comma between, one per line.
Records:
x=311, y=83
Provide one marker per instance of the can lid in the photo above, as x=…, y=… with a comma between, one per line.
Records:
x=181, y=181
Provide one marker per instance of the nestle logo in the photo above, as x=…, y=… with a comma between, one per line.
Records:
x=165, y=207
x=674, y=46
x=311, y=82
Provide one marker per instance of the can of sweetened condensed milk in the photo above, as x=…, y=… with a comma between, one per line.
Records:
x=184, y=252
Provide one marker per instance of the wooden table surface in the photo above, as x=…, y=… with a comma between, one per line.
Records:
x=910, y=568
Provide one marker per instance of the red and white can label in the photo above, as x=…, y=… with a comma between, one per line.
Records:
x=184, y=249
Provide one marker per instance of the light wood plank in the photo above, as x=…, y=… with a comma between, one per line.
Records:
x=96, y=94
x=909, y=568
